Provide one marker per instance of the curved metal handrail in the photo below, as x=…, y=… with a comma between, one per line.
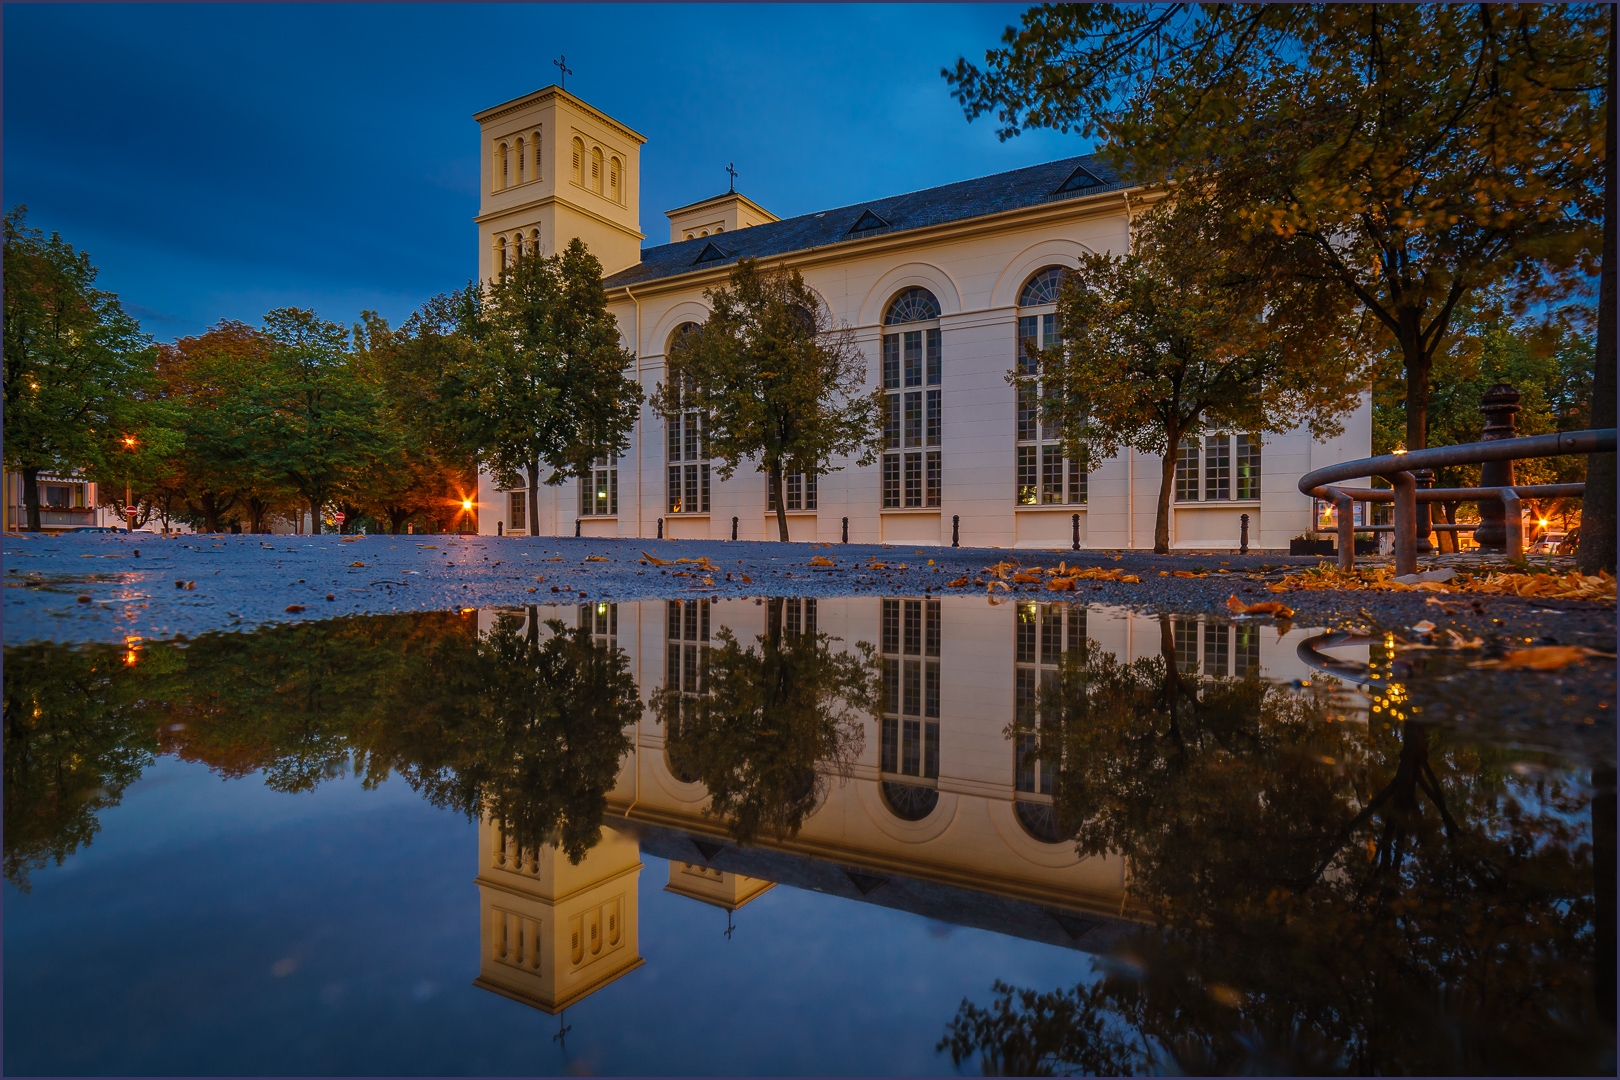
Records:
x=1398, y=469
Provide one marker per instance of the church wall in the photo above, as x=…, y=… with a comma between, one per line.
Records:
x=976, y=274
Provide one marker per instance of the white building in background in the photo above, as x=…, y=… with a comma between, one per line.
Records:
x=940, y=286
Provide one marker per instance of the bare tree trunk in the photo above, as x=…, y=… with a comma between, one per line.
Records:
x=779, y=485
x=1417, y=366
x=314, y=517
x=1597, y=547
x=31, y=497
x=1167, y=484
x=533, y=472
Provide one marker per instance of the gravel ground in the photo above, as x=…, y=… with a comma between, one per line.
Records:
x=96, y=588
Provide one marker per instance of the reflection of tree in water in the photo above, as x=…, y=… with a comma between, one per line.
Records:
x=771, y=727
x=1329, y=896
x=526, y=730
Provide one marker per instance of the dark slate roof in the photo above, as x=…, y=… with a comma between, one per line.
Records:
x=1054, y=181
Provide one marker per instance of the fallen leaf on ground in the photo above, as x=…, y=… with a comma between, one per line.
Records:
x=357, y=564
x=821, y=560
x=1186, y=573
x=293, y=609
x=877, y=566
x=1543, y=658
x=1024, y=577
x=957, y=584
x=746, y=579
x=1424, y=627
x=654, y=560
x=597, y=558
x=1265, y=607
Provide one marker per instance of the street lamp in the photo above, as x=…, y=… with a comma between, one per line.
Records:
x=129, y=507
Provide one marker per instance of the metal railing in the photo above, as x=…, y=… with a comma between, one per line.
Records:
x=1405, y=493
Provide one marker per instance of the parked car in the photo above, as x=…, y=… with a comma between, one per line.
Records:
x=94, y=529
x=1548, y=543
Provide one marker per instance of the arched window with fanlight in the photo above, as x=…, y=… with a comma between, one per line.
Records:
x=688, y=463
x=1044, y=475
x=909, y=746
x=579, y=161
x=912, y=421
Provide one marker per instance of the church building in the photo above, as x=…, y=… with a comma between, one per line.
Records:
x=941, y=287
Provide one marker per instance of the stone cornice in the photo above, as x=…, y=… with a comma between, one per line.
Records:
x=538, y=204
x=496, y=112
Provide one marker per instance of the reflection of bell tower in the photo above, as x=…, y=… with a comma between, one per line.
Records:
x=721, y=888
x=552, y=932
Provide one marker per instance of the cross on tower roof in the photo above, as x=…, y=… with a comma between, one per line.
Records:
x=731, y=167
x=563, y=71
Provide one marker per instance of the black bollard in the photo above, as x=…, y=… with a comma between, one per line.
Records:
x=1076, y=523
x=846, y=530
x=500, y=528
x=1425, y=479
x=734, y=528
x=577, y=522
x=1499, y=403
x=1243, y=536
x=956, y=530
x=660, y=528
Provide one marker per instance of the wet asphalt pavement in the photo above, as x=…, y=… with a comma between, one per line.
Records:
x=96, y=588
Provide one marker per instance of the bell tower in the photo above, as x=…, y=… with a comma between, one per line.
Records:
x=553, y=168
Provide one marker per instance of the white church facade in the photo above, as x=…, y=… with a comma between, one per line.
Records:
x=940, y=287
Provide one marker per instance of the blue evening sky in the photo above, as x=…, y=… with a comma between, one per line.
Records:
x=217, y=161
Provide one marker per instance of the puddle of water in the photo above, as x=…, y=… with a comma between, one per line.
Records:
x=838, y=835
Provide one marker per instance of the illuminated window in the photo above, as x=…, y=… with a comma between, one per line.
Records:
x=601, y=621
x=599, y=489
x=1043, y=475
x=688, y=464
x=913, y=402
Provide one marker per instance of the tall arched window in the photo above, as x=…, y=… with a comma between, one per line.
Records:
x=500, y=254
x=596, y=169
x=522, y=161
x=534, y=147
x=1044, y=476
x=534, y=242
x=688, y=464
x=505, y=155
x=614, y=192
x=912, y=427
x=579, y=162
x=909, y=752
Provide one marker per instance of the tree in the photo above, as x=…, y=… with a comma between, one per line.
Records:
x=74, y=360
x=773, y=378
x=548, y=372
x=1407, y=155
x=1188, y=332
x=305, y=419
x=772, y=726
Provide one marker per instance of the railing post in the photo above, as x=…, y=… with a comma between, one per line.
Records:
x=1512, y=523
x=1347, y=526
x=1425, y=480
x=1499, y=404
x=1405, y=522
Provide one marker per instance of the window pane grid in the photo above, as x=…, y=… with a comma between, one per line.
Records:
x=910, y=640
x=1043, y=474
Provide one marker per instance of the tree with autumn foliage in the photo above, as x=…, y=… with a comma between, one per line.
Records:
x=774, y=379
x=1406, y=155
x=1190, y=332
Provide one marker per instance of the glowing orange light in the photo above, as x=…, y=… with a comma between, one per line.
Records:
x=466, y=504
x=129, y=440
x=1543, y=523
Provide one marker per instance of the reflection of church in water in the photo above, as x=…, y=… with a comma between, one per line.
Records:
x=946, y=812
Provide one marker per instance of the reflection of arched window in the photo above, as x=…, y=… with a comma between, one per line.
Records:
x=522, y=160
x=913, y=403
x=1044, y=475
x=688, y=462
x=686, y=669
x=579, y=162
x=909, y=802
x=1039, y=821
x=1044, y=635
x=910, y=647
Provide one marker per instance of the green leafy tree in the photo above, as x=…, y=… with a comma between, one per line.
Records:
x=773, y=725
x=774, y=379
x=74, y=361
x=548, y=374
x=1184, y=333
x=306, y=421
x=1408, y=155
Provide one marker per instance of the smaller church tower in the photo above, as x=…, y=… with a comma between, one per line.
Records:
x=554, y=168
